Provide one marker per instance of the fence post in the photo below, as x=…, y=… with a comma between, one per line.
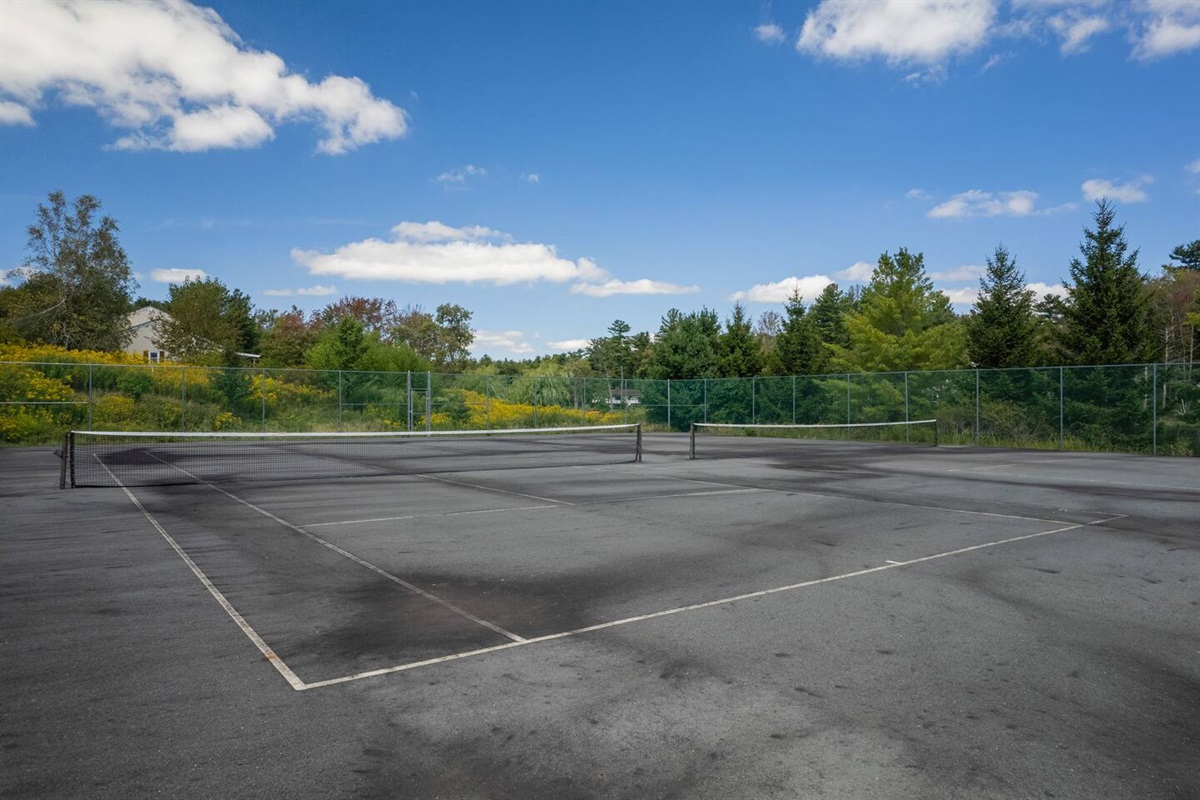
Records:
x=753, y=399
x=706, y=399
x=487, y=403
x=182, y=398
x=668, y=403
x=793, y=399
x=262, y=391
x=906, y=430
x=408, y=400
x=1060, y=409
x=847, y=402
x=90, y=398
x=1154, y=406
x=428, y=401
x=977, y=408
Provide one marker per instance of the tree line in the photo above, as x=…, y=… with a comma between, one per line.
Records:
x=76, y=290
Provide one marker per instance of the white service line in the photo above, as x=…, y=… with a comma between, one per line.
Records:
x=361, y=562
x=491, y=489
x=269, y=654
x=428, y=516
x=708, y=604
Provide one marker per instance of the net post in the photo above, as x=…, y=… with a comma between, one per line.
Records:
x=692, y=442
x=62, y=467
x=637, y=458
x=935, y=433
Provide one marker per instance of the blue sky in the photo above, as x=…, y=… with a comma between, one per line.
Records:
x=555, y=166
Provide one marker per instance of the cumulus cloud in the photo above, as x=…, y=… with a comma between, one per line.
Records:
x=309, y=291
x=506, y=341
x=460, y=175
x=961, y=297
x=1168, y=27
x=1041, y=290
x=1130, y=192
x=781, y=291
x=175, y=76
x=568, y=345
x=177, y=275
x=643, y=286
x=900, y=31
x=978, y=203
x=967, y=272
x=1076, y=29
x=438, y=254
x=858, y=272
x=770, y=34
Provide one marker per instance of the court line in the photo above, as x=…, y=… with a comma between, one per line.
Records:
x=704, y=605
x=361, y=562
x=497, y=491
x=269, y=654
x=874, y=501
x=427, y=516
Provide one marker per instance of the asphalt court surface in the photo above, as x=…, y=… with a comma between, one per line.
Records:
x=891, y=584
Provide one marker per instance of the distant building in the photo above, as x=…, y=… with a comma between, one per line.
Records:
x=145, y=326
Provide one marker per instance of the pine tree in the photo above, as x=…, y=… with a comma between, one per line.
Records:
x=797, y=348
x=739, y=352
x=902, y=322
x=1002, y=331
x=1107, y=316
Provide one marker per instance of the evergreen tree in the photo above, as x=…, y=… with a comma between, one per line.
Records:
x=613, y=355
x=1106, y=320
x=78, y=285
x=687, y=346
x=740, y=354
x=828, y=314
x=797, y=348
x=1002, y=331
x=1188, y=256
x=902, y=322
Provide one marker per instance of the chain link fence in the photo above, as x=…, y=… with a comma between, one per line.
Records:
x=1151, y=408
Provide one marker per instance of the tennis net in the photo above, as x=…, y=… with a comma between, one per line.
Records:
x=762, y=440
x=107, y=458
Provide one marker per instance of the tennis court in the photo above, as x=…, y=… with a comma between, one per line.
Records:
x=768, y=618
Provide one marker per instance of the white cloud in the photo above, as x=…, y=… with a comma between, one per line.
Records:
x=1194, y=167
x=916, y=194
x=460, y=176
x=507, y=341
x=1168, y=27
x=771, y=34
x=643, y=286
x=531, y=177
x=309, y=291
x=438, y=254
x=1040, y=290
x=967, y=272
x=570, y=344
x=1131, y=192
x=859, y=271
x=781, y=291
x=978, y=203
x=177, y=275
x=961, y=297
x=14, y=114
x=900, y=31
x=174, y=75
x=1076, y=30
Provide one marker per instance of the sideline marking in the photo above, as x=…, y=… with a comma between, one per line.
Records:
x=361, y=562
x=426, y=516
x=707, y=604
x=283, y=669
x=491, y=489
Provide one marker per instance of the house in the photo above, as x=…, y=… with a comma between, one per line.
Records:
x=144, y=327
